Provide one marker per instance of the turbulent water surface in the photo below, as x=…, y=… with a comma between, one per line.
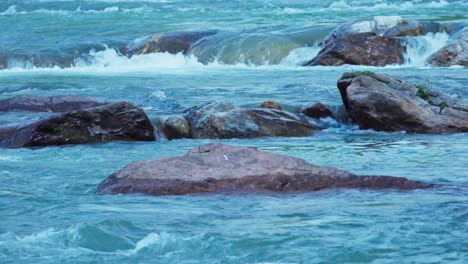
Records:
x=49, y=212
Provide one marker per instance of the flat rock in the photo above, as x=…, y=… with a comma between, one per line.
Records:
x=224, y=120
x=118, y=121
x=66, y=103
x=361, y=49
x=217, y=167
x=383, y=103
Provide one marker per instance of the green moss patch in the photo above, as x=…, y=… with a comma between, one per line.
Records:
x=357, y=73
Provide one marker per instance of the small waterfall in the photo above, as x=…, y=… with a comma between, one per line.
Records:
x=158, y=131
x=419, y=48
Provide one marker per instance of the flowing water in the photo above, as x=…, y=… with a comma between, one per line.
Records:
x=49, y=212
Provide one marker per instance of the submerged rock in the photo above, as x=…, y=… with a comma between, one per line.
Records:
x=59, y=103
x=171, y=42
x=317, y=111
x=383, y=103
x=389, y=26
x=455, y=53
x=224, y=168
x=224, y=120
x=118, y=121
x=361, y=49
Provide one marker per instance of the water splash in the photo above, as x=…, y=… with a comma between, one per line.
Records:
x=421, y=47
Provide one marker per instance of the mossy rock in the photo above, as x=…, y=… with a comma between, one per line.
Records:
x=357, y=73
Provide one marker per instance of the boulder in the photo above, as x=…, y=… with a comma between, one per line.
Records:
x=454, y=53
x=170, y=42
x=389, y=26
x=361, y=49
x=224, y=120
x=270, y=105
x=66, y=103
x=217, y=167
x=118, y=121
x=175, y=127
x=383, y=103
x=317, y=111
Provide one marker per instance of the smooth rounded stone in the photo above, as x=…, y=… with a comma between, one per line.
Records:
x=317, y=111
x=59, y=103
x=224, y=120
x=118, y=121
x=454, y=53
x=270, y=105
x=361, y=49
x=383, y=103
x=170, y=42
x=390, y=26
x=217, y=167
x=175, y=127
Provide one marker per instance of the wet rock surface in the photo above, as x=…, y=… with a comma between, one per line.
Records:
x=118, y=121
x=361, y=49
x=171, y=42
x=383, y=103
x=175, y=127
x=317, y=111
x=454, y=53
x=59, y=103
x=217, y=167
x=224, y=120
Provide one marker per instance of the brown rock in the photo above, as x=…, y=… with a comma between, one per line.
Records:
x=270, y=105
x=223, y=168
x=317, y=111
x=361, y=49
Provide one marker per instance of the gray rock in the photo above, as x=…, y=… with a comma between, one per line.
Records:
x=361, y=49
x=65, y=103
x=383, y=103
x=118, y=121
x=454, y=53
x=224, y=120
x=223, y=168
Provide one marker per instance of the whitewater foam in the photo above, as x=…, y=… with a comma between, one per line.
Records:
x=419, y=48
x=13, y=10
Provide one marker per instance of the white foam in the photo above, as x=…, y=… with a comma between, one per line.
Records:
x=387, y=21
x=374, y=6
x=12, y=10
x=147, y=241
x=419, y=48
x=300, y=56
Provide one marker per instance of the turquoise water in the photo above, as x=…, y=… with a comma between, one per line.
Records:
x=48, y=210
